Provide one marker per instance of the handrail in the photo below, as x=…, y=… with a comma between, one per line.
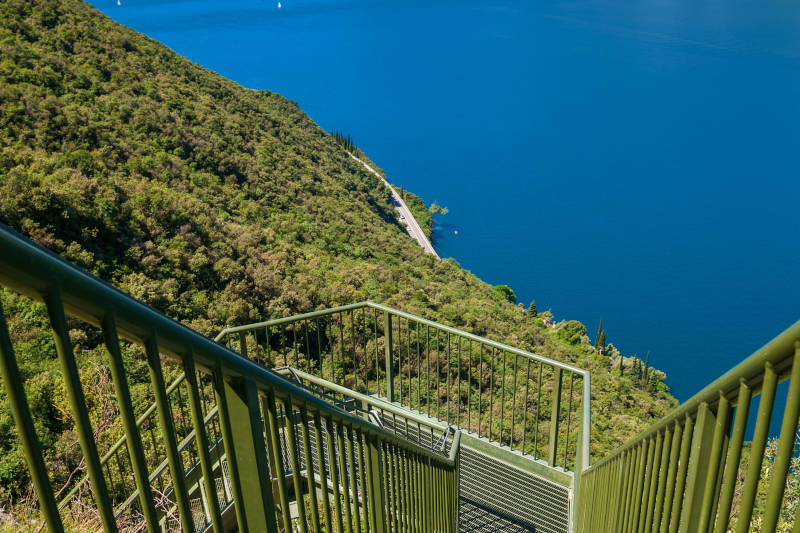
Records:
x=392, y=336
x=244, y=390
x=375, y=402
x=680, y=474
x=367, y=303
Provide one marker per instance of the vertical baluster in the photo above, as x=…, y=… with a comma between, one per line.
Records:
x=291, y=440
x=312, y=493
x=491, y=391
x=408, y=361
x=438, y=376
x=458, y=385
x=525, y=405
x=734, y=456
x=503, y=400
x=323, y=474
x=377, y=364
x=683, y=465
x=428, y=366
x=366, y=496
x=294, y=345
x=83, y=425
x=538, y=409
x=351, y=457
x=480, y=387
x=785, y=448
x=469, y=384
x=513, y=402
x=337, y=498
x=268, y=362
x=760, y=434
x=276, y=456
x=663, y=462
x=555, y=408
x=341, y=347
x=447, y=374
x=13, y=383
x=672, y=472
x=353, y=343
x=168, y=432
x=569, y=417
x=720, y=432
x=345, y=499
x=201, y=439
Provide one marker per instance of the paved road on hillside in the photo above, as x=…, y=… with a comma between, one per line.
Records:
x=411, y=223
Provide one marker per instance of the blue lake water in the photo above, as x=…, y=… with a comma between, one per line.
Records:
x=635, y=161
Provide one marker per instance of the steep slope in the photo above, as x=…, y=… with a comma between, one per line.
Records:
x=218, y=205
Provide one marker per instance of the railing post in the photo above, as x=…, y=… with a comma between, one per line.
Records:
x=245, y=448
x=698, y=469
x=582, y=446
x=376, y=486
x=554, y=414
x=389, y=356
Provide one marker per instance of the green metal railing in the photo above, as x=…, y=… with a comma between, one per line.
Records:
x=250, y=402
x=692, y=471
x=514, y=398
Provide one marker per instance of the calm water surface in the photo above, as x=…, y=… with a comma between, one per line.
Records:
x=635, y=161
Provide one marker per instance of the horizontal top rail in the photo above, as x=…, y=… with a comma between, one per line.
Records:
x=779, y=353
x=371, y=400
x=35, y=271
x=408, y=316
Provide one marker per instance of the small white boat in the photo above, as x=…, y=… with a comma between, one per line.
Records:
x=279, y=4
x=119, y=2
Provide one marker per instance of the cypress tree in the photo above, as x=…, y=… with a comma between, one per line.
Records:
x=600, y=338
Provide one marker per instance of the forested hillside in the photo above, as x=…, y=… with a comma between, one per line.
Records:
x=217, y=205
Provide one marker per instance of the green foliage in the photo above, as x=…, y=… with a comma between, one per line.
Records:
x=217, y=205
x=346, y=142
x=532, y=308
x=437, y=209
x=504, y=291
x=600, y=339
x=421, y=214
x=572, y=331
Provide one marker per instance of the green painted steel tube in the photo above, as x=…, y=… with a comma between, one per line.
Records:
x=753, y=475
x=720, y=429
x=323, y=474
x=663, y=473
x=345, y=478
x=278, y=470
x=13, y=384
x=672, y=474
x=683, y=467
x=655, y=468
x=362, y=478
x=167, y=429
x=312, y=492
x=134, y=441
x=83, y=426
x=351, y=457
x=786, y=446
x=555, y=409
x=201, y=440
x=297, y=481
x=334, y=469
x=228, y=443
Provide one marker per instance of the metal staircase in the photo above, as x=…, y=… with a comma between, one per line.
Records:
x=365, y=418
